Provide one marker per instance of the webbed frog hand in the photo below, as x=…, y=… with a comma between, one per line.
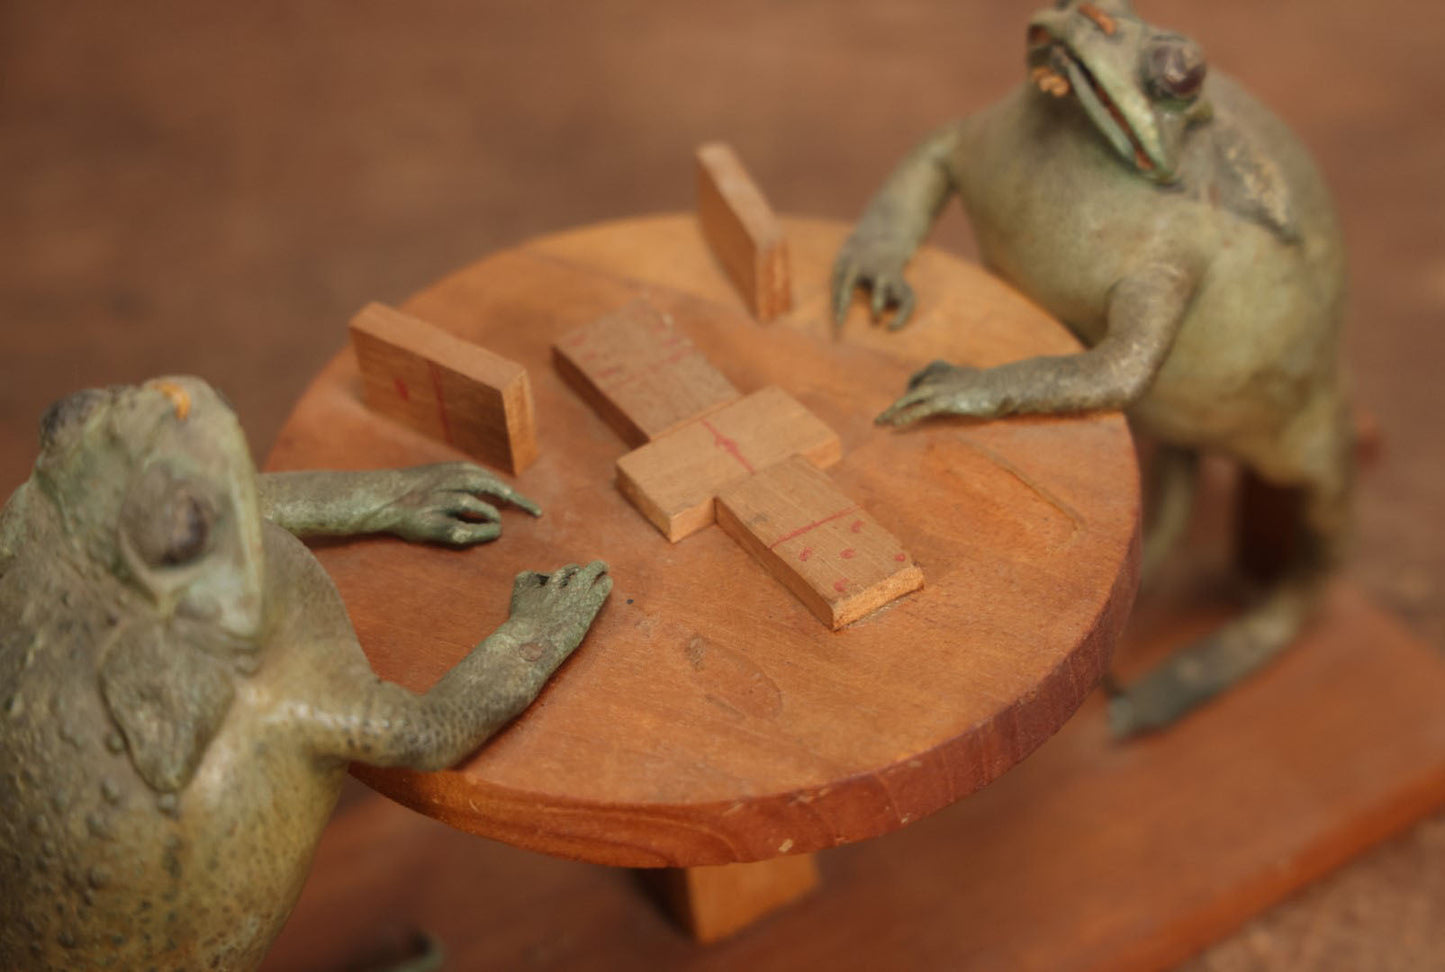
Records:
x=442, y=504
x=553, y=611
x=946, y=389
x=876, y=262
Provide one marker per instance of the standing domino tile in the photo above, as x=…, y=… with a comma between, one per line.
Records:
x=744, y=234
x=445, y=387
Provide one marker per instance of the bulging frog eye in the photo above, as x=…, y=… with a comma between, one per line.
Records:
x=1175, y=68
x=167, y=521
x=186, y=531
x=68, y=413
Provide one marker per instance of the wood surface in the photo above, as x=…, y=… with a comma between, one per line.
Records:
x=715, y=902
x=818, y=541
x=641, y=374
x=709, y=718
x=445, y=388
x=1090, y=856
x=743, y=232
x=674, y=480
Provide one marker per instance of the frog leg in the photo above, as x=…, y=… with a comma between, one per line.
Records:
x=428, y=504
x=893, y=225
x=1145, y=311
x=1173, y=479
x=351, y=715
x=1199, y=671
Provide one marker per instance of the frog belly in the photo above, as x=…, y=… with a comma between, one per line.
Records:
x=98, y=870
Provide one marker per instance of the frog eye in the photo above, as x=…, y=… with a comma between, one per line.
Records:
x=1175, y=68
x=186, y=528
x=166, y=520
x=70, y=412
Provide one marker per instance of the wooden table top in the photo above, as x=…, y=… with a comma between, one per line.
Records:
x=709, y=717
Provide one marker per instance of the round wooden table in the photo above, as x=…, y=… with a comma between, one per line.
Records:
x=709, y=718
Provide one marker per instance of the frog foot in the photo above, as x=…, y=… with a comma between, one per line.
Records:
x=442, y=504
x=937, y=370
x=877, y=265
x=944, y=389
x=557, y=608
x=421, y=952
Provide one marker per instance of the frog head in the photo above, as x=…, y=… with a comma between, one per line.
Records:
x=1142, y=87
x=153, y=486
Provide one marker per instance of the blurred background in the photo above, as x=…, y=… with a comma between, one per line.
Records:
x=215, y=188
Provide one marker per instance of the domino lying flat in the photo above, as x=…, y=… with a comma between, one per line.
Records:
x=640, y=373
x=673, y=480
x=817, y=541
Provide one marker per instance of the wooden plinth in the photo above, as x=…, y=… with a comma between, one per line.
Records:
x=1089, y=856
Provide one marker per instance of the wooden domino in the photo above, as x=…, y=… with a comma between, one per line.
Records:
x=640, y=373
x=817, y=541
x=445, y=387
x=673, y=480
x=743, y=232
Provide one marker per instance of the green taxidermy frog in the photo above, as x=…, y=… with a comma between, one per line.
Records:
x=181, y=689
x=1184, y=235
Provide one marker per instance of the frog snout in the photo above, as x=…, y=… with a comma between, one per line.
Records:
x=178, y=395
x=238, y=616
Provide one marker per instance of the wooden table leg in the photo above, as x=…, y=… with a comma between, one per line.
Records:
x=714, y=902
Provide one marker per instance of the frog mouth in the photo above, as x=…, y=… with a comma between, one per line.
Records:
x=1057, y=71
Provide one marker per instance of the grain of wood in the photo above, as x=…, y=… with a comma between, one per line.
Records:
x=743, y=232
x=445, y=387
x=674, y=480
x=818, y=541
x=705, y=720
x=641, y=373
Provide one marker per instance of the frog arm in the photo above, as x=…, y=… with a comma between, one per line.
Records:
x=905, y=208
x=1145, y=311
x=437, y=504
x=893, y=225
x=351, y=714
x=359, y=717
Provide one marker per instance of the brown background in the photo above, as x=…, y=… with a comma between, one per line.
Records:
x=214, y=188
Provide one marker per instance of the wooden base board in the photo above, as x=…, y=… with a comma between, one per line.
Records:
x=1089, y=855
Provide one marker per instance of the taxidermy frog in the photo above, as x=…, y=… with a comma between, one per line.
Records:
x=1184, y=235
x=181, y=689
